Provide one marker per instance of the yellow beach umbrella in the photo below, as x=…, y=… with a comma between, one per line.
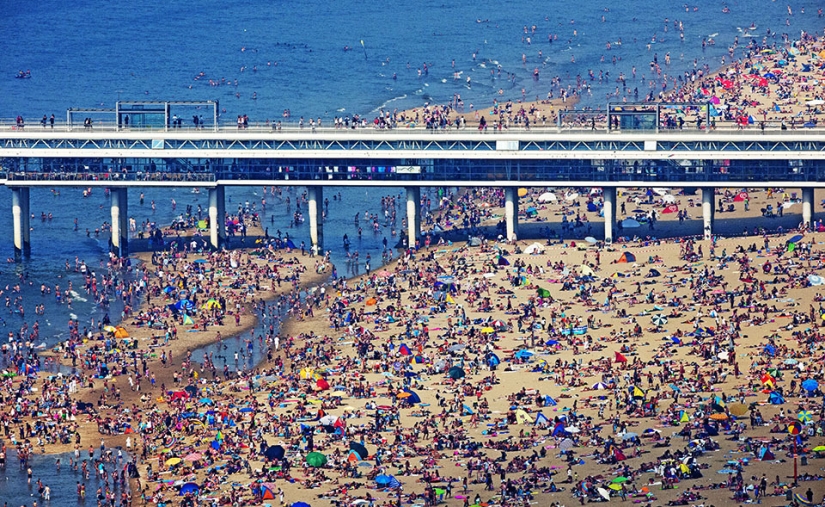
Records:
x=522, y=192
x=109, y=329
x=172, y=461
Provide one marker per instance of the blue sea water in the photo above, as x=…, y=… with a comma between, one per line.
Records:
x=15, y=490
x=87, y=54
x=290, y=55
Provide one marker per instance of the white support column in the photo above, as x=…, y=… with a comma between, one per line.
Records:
x=708, y=196
x=21, y=220
x=413, y=215
x=808, y=208
x=609, y=194
x=120, y=221
x=315, y=198
x=217, y=217
x=511, y=212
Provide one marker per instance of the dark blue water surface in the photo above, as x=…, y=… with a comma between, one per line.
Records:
x=16, y=491
x=87, y=54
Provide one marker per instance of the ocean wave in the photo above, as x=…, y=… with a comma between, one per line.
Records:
x=77, y=297
x=385, y=104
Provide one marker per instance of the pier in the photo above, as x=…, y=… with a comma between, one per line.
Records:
x=214, y=157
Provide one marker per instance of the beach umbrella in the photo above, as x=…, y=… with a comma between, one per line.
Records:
x=615, y=487
x=604, y=493
x=547, y=197
x=109, y=329
x=523, y=354
x=316, y=459
x=193, y=456
x=328, y=420
x=487, y=330
x=172, y=461
x=591, y=240
x=456, y=372
x=805, y=416
x=566, y=444
x=522, y=192
x=790, y=361
x=210, y=304
x=619, y=480
x=458, y=347
x=801, y=500
x=659, y=320
x=300, y=504
x=206, y=401
x=322, y=384
x=360, y=449
x=819, y=448
x=810, y=385
x=543, y=293
x=719, y=417
x=306, y=373
x=599, y=385
x=189, y=487
x=385, y=480
x=274, y=452
x=371, y=302
x=629, y=436
x=412, y=397
x=631, y=223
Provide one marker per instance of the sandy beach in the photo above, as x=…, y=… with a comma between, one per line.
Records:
x=553, y=370
x=519, y=367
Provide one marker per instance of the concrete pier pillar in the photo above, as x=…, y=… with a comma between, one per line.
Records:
x=511, y=212
x=315, y=199
x=120, y=221
x=217, y=217
x=708, y=196
x=413, y=215
x=21, y=220
x=808, y=207
x=609, y=195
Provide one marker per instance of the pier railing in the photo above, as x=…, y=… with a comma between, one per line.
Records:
x=722, y=127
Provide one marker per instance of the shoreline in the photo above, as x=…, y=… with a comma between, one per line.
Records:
x=87, y=427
